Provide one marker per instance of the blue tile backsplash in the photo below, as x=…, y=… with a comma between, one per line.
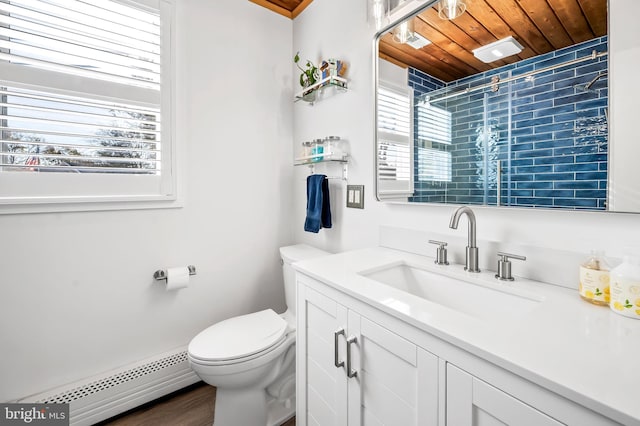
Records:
x=549, y=133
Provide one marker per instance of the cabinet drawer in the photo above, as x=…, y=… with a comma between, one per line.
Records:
x=471, y=401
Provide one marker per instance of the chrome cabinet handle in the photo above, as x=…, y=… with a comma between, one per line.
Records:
x=338, y=333
x=350, y=373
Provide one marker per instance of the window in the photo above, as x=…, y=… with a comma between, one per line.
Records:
x=434, y=138
x=434, y=124
x=434, y=165
x=395, y=135
x=85, y=101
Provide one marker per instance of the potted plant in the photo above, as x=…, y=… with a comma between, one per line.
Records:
x=308, y=77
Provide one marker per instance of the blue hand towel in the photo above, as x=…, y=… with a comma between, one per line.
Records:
x=318, y=207
x=326, y=205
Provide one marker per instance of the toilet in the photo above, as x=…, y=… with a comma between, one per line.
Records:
x=251, y=358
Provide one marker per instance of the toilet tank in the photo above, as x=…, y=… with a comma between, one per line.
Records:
x=289, y=255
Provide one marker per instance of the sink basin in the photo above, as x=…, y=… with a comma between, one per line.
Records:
x=473, y=297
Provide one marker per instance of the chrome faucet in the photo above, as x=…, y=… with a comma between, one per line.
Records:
x=471, y=262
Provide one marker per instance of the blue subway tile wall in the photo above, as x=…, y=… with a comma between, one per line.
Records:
x=548, y=131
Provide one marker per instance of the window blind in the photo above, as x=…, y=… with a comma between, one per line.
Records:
x=42, y=132
x=434, y=133
x=433, y=124
x=104, y=40
x=395, y=134
x=434, y=165
x=85, y=89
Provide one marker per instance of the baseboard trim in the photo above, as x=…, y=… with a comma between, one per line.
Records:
x=106, y=395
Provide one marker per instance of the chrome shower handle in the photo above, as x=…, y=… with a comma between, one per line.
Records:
x=350, y=373
x=336, y=334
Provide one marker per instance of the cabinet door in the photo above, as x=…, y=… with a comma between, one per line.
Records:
x=471, y=401
x=397, y=382
x=321, y=387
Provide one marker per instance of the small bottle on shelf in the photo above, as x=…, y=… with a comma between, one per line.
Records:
x=317, y=150
x=333, y=148
x=306, y=150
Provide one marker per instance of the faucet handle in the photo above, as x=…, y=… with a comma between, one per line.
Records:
x=504, y=265
x=441, y=252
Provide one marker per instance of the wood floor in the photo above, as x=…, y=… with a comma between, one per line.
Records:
x=192, y=406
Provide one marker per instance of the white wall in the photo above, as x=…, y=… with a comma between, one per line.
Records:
x=339, y=29
x=76, y=291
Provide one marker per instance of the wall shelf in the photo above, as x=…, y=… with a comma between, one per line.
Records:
x=325, y=158
x=315, y=92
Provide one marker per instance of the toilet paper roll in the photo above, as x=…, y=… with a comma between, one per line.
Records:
x=177, y=278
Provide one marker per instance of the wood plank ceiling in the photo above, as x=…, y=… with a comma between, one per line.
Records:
x=541, y=26
x=288, y=8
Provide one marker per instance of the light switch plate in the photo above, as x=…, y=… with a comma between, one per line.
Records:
x=355, y=196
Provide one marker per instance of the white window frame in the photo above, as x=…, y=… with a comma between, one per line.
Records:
x=41, y=192
x=396, y=188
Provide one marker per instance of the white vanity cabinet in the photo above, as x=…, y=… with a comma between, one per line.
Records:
x=352, y=371
x=357, y=365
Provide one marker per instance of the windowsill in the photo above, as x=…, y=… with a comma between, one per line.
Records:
x=54, y=206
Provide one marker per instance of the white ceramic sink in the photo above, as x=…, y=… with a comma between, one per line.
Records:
x=474, y=296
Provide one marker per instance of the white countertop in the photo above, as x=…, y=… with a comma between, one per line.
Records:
x=584, y=352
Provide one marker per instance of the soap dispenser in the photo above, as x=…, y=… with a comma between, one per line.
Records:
x=594, y=279
x=625, y=287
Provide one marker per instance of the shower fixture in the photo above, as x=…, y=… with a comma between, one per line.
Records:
x=593, y=81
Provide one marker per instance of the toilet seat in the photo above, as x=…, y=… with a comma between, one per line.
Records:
x=239, y=338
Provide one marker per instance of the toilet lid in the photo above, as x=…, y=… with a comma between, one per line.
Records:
x=238, y=337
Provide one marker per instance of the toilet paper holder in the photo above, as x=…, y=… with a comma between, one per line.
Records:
x=161, y=274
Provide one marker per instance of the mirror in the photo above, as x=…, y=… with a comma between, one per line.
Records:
x=503, y=105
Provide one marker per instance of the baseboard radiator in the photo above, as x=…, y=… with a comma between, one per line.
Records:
x=109, y=394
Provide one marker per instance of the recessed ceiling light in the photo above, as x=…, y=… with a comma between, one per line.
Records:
x=417, y=41
x=499, y=49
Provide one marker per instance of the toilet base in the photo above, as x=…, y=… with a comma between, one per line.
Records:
x=244, y=407
x=280, y=411
x=254, y=408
